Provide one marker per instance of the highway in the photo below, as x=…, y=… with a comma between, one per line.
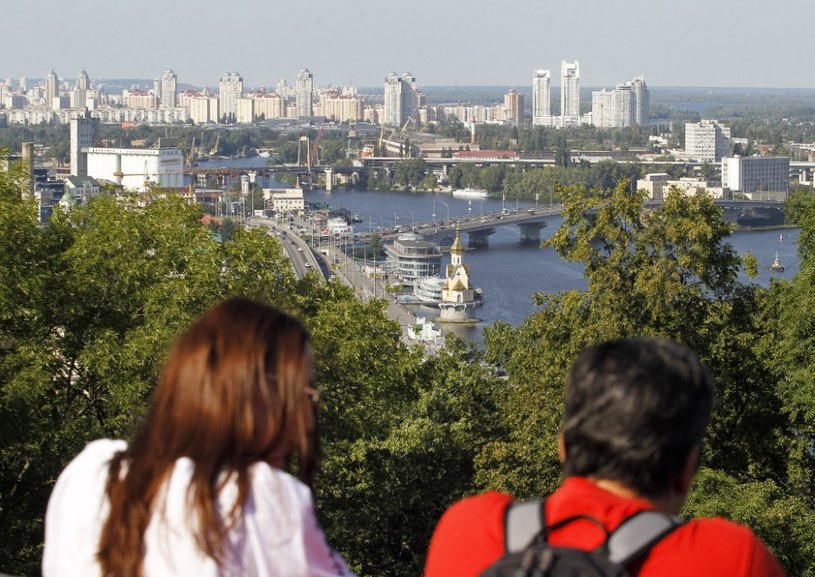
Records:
x=334, y=265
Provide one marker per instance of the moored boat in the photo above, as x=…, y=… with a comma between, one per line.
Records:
x=472, y=193
x=777, y=266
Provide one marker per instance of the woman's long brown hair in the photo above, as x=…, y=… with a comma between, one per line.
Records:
x=232, y=393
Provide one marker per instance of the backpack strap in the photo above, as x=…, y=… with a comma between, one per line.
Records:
x=522, y=521
x=637, y=534
x=633, y=538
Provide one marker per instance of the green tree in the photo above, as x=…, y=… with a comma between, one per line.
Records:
x=662, y=272
x=88, y=305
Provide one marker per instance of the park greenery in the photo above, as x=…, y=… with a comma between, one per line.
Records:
x=90, y=302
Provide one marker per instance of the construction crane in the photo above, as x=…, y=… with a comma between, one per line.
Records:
x=191, y=155
x=214, y=150
x=408, y=121
x=315, y=152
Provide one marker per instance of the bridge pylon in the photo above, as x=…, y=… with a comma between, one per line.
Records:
x=531, y=232
x=479, y=238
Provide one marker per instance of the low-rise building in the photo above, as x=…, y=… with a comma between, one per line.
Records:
x=758, y=177
x=410, y=257
x=285, y=199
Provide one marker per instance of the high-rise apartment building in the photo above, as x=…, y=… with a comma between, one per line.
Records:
x=268, y=105
x=83, y=81
x=203, y=106
x=79, y=94
x=642, y=101
x=707, y=141
x=541, y=98
x=282, y=89
x=569, y=93
x=401, y=99
x=303, y=89
x=169, y=89
x=230, y=88
x=51, y=89
x=626, y=105
x=514, y=107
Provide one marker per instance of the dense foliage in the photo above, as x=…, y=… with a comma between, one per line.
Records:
x=90, y=302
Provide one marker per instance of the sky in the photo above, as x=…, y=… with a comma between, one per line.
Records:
x=441, y=42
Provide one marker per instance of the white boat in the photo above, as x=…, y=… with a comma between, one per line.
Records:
x=472, y=193
x=777, y=266
x=428, y=290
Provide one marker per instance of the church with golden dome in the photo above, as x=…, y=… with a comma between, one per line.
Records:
x=459, y=299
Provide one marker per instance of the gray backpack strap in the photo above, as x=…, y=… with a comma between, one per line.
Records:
x=638, y=533
x=522, y=521
x=633, y=538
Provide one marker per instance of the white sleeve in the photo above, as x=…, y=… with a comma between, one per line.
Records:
x=76, y=512
x=282, y=530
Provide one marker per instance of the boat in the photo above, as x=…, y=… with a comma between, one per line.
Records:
x=471, y=193
x=777, y=266
x=760, y=216
x=428, y=290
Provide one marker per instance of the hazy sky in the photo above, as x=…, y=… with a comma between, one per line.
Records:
x=441, y=42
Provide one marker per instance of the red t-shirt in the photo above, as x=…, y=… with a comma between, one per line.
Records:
x=470, y=536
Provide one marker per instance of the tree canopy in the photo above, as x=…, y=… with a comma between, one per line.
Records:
x=90, y=301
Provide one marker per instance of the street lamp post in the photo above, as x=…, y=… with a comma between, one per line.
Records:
x=446, y=222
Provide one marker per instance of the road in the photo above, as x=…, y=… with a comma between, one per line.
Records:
x=329, y=261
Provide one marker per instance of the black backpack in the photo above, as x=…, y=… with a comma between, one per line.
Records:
x=529, y=555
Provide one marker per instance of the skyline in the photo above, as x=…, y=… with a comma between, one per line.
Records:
x=446, y=43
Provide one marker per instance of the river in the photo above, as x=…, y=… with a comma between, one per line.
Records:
x=509, y=272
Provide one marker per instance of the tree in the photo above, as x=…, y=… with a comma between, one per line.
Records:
x=661, y=272
x=88, y=305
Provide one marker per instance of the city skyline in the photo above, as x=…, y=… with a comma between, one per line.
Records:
x=441, y=43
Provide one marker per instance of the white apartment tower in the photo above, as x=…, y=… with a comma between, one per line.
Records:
x=569, y=93
x=626, y=105
x=83, y=81
x=541, y=98
x=80, y=92
x=169, y=89
x=51, y=89
x=303, y=89
x=514, y=107
x=230, y=88
x=707, y=141
x=401, y=99
x=642, y=101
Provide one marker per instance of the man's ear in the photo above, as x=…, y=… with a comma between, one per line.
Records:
x=561, y=447
x=689, y=469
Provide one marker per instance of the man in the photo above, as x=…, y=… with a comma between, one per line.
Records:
x=636, y=412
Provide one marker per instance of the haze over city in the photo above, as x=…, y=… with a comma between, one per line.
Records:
x=693, y=43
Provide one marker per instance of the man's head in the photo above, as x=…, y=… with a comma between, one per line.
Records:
x=635, y=411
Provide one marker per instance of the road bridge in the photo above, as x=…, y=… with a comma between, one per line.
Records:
x=530, y=221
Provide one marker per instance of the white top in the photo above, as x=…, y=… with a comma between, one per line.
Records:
x=278, y=534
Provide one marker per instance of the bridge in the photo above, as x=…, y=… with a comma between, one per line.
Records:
x=530, y=221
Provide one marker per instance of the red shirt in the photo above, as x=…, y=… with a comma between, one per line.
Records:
x=470, y=536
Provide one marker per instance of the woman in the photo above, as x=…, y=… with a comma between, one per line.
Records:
x=203, y=488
